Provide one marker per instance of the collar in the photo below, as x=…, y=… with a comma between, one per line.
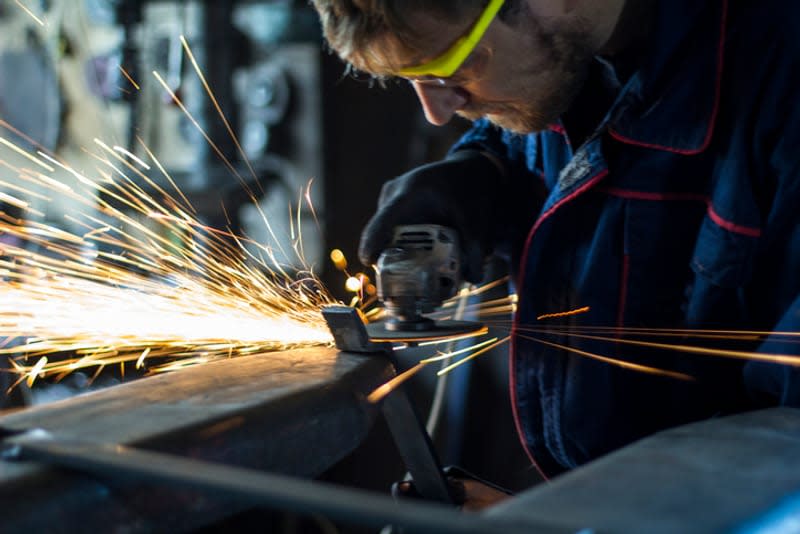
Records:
x=671, y=102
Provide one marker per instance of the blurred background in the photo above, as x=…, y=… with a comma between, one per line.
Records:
x=72, y=71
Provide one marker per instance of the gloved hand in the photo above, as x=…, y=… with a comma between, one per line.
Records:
x=461, y=192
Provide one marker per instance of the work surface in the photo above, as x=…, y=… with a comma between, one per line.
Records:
x=295, y=412
x=738, y=474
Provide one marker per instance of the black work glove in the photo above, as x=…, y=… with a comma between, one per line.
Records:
x=461, y=192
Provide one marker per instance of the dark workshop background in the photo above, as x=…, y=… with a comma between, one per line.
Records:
x=299, y=115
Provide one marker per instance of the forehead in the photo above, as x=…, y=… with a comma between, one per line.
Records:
x=430, y=35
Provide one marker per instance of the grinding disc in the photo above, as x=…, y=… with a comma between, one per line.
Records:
x=440, y=330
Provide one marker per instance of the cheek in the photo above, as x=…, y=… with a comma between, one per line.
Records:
x=551, y=8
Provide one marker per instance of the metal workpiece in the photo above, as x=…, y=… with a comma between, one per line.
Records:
x=119, y=463
x=294, y=412
x=350, y=331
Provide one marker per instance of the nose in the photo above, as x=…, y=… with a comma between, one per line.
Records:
x=440, y=103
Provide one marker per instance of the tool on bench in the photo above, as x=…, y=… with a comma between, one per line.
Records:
x=419, y=271
x=416, y=274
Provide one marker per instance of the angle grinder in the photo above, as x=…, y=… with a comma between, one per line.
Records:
x=419, y=271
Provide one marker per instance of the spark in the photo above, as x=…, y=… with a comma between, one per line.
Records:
x=452, y=339
x=613, y=361
x=449, y=355
x=36, y=370
x=141, y=279
x=131, y=155
x=129, y=77
x=471, y=357
x=353, y=284
x=25, y=154
x=563, y=314
x=140, y=360
x=338, y=259
x=214, y=101
x=381, y=392
x=787, y=359
x=681, y=332
x=29, y=12
x=310, y=204
x=13, y=201
x=214, y=146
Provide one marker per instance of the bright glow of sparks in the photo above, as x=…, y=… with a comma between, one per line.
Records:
x=141, y=279
x=338, y=259
x=353, y=284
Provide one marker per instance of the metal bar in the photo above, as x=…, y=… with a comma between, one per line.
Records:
x=309, y=402
x=116, y=462
x=294, y=412
x=415, y=447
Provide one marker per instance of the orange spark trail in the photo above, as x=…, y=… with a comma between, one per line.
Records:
x=787, y=359
x=563, y=314
x=381, y=392
x=450, y=367
x=130, y=79
x=612, y=361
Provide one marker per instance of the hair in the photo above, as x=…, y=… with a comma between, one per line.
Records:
x=352, y=27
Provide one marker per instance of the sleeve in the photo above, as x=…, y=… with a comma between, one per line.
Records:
x=517, y=152
x=525, y=190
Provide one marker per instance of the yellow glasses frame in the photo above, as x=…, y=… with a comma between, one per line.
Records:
x=448, y=63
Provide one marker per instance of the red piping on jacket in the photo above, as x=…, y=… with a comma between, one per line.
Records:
x=717, y=92
x=646, y=195
x=731, y=226
x=515, y=327
x=712, y=213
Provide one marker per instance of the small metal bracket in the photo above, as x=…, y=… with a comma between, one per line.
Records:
x=350, y=332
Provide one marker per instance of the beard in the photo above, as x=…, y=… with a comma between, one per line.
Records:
x=543, y=87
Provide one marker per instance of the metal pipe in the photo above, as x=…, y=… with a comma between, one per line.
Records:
x=116, y=462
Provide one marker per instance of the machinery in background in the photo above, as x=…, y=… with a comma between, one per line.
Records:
x=260, y=60
x=88, y=74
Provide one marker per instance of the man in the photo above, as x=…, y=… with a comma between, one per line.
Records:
x=638, y=157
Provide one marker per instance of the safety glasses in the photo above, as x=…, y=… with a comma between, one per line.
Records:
x=448, y=63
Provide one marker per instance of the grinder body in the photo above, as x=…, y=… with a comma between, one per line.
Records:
x=416, y=274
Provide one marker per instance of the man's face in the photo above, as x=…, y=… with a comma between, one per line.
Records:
x=523, y=74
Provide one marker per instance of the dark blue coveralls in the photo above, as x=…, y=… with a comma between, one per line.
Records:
x=680, y=211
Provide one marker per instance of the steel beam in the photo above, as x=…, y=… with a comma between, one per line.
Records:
x=355, y=507
x=294, y=412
